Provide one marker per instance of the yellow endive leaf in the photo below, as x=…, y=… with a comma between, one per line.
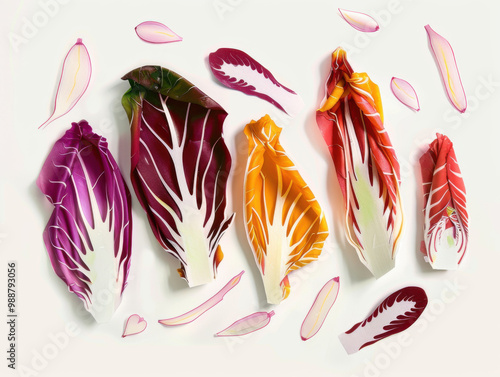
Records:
x=285, y=225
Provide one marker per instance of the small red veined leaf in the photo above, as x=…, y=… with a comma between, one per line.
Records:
x=395, y=314
x=238, y=70
x=446, y=222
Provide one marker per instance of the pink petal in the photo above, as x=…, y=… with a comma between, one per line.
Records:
x=74, y=80
x=156, y=32
x=359, y=21
x=209, y=304
x=135, y=325
x=248, y=324
x=445, y=59
x=320, y=308
x=405, y=93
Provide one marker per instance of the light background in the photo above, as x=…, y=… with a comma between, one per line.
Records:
x=458, y=336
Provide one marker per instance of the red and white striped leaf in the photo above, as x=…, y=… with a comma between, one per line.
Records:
x=446, y=222
x=351, y=121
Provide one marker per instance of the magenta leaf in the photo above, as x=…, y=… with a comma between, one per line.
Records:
x=199, y=310
x=156, y=32
x=395, y=314
x=247, y=325
x=88, y=237
x=179, y=169
x=75, y=78
x=238, y=70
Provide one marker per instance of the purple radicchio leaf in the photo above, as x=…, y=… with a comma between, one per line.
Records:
x=88, y=237
x=179, y=169
x=238, y=70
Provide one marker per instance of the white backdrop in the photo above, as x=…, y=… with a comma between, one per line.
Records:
x=457, y=336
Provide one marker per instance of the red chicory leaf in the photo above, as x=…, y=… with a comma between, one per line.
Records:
x=179, y=169
x=446, y=222
x=351, y=121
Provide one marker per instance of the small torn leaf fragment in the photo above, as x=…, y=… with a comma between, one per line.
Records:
x=135, y=325
x=156, y=32
x=248, y=324
x=352, y=123
x=448, y=69
x=359, y=21
x=89, y=235
x=395, y=314
x=209, y=304
x=320, y=309
x=74, y=80
x=405, y=93
x=446, y=222
x=238, y=70
x=285, y=225
x=179, y=167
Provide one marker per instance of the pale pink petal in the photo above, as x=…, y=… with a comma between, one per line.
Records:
x=320, y=308
x=445, y=59
x=405, y=93
x=209, y=304
x=248, y=324
x=359, y=21
x=75, y=78
x=156, y=32
x=135, y=325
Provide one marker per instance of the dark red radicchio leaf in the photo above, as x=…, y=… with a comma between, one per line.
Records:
x=179, y=168
x=238, y=70
x=395, y=314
